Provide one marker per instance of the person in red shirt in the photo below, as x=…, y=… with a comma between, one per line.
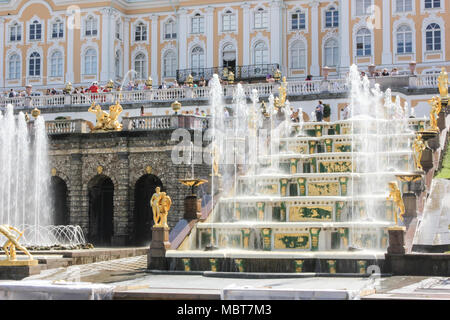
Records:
x=94, y=87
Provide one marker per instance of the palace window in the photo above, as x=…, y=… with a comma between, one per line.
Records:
x=331, y=48
x=117, y=65
x=170, y=31
x=197, y=58
x=90, y=62
x=197, y=24
x=140, y=66
x=403, y=6
x=332, y=18
x=404, y=40
x=431, y=4
x=363, y=43
x=362, y=7
x=118, y=30
x=15, y=32
x=433, y=37
x=228, y=21
x=35, y=30
x=140, y=32
x=261, y=53
x=298, y=55
x=298, y=20
x=14, y=67
x=34, y=65
x=169, y=64
x=91, y=27
x=56, y=64
x=261, y=19
x=57, y=29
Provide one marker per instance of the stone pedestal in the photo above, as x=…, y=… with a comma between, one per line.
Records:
x=192, y=208
x=441, y=120
x=156, y=258
x=410, y=201
x=19, y=272
x=396, y=240
x=427, y=159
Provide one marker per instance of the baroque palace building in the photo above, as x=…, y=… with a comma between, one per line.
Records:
x=50, y=42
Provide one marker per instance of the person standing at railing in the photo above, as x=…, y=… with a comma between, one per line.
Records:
x=12, y=93
x=319, y=112
x=28, y=97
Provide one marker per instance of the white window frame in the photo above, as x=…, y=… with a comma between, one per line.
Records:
x=197, y=57
x=90, y=71
x=364, y=43
x=32, y=57
x=59, y=22
x=265, y=54
x=141, y=32
x=140, y=74
x=18, y=32
x=59, y=64
x=434, y=42
x=35, y=25
x=403, y=35
x=335, y=52
x=118, y=74
x=197, y=24
x=432, y=3
x=260, y=19
x=118, y=30
x=228, y=21
x=91, y=24
x=302, y=55
x=17, y=75
x=298, y=11
x=440, y=9
x=170, y=29
x=335, y=11
x=169, y=70
x=363, y=11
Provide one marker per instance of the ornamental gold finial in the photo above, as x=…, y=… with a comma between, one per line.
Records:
x=161, y=204
x=443, y=84
x=12, y=243
x=396, y=196
x=418, y=147
x=230, y=77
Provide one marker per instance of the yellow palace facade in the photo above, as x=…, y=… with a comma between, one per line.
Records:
x=47, y=43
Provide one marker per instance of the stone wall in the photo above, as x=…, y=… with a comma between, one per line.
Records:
x=124, y=157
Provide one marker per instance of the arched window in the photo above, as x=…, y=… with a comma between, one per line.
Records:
x=15, y=32
x=298, y=55
x=14, y=67
x=228, y=52
x=261, y=19
x=140, y=66
x=56, y=64
x=169, y=64
x=35, y=65
x=332, y=18
x=228, y=21
x=363, y=43
x=90, y=62
x=91, y=27
x=331, y=53
x=404, y=39
x=433, y=37
x=117, y=65
x=170, y=31
x=35, y=30
x=261, y=53
x=197, y=24
x=140, y=32
x=298, y=20
x=197, y=58
x=57, y=29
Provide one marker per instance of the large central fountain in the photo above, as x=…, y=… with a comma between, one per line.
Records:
x=302, y=195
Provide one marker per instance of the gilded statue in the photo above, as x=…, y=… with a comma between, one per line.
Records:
x=105, y=121
x=436, y=106
x=418, y=146
x=396, y=196
x=281, y=100
x=215, y=163
x=12, y=243
x=161, y=204
x=443, y=83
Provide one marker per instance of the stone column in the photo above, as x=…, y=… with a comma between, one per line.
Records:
x=315, y=67
x=386, y=57
x=182, y=38
x=107, y=45
x=275, y=32
x=3, y=62
x=210, y=37
x=344, y=35
x=126, y=46
x=154, y=49
x=121, y=202
x=396, y=240
x=246, y=35
x=156, y=257
x=69, y=54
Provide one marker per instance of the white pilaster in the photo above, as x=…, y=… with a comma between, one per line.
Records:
x=182, y=38
x=386, y=57
x=107, y=49
x=315, y=67
x=154, y=49
x=69, y=54
x=275, y=31
x=246, y=35
x=126, y=45
x=344, y=35
x=209, y=37
x=3, y=62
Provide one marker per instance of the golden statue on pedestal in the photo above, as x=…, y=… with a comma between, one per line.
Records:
x=12, y=243
x=161, y=204
x=436, y=106
x=281, y=100
x=105, y=121
x=396, y=196
x=443, y=84
x=418, y=146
